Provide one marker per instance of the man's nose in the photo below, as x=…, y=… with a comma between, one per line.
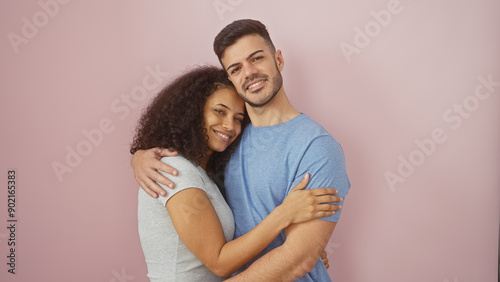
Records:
x=250, y=70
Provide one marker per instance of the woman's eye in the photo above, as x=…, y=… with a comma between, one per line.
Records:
x=219, y=111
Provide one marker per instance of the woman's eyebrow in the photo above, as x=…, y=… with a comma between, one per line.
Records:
x=220, y=104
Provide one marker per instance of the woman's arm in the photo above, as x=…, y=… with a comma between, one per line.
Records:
x=198, y=226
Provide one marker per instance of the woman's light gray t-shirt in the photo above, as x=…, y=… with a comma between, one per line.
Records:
x=167, y=258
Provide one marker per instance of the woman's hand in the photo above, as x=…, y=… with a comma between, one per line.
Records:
x=146, y=164
x=303, y=205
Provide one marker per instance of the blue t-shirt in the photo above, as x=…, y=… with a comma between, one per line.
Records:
x=270, y=161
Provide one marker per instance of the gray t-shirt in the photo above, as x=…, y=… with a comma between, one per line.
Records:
x=167, y=258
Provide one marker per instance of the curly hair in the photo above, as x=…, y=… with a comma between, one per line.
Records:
x=174, y=119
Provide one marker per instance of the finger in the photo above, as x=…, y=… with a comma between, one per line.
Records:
x=321, y=214
x=335, y=207
x=147, y=190
x=153, y=186
x=166, y=168
x=328, y=207
x=323, y=255
x=328, y=199
x=324, y=191
x=170, y=152
x=161, y=178
x=332, y=209
x=303, y=183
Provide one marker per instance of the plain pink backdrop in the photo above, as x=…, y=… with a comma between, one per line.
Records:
x=67, y=67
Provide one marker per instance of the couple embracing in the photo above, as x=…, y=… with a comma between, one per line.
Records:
x=236, y=183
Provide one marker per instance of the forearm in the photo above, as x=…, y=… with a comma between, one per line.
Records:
x=279, y=264
x=295, y=258
x=242, y=250
x=203, y=234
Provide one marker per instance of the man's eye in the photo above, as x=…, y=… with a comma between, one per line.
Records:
x=235, y=70
x=257, y=58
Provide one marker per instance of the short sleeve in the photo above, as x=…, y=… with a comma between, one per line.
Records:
x=189, y=177
x=324, y=160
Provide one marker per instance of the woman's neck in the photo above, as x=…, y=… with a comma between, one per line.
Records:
x=204, y=162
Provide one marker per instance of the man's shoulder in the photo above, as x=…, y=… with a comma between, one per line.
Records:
x=308, y=124
x=312, y=131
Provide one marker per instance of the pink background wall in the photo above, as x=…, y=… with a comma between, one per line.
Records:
x=404, y=90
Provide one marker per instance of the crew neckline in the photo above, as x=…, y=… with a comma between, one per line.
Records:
x=300, y=116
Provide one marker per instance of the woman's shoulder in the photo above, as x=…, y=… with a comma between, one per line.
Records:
x=189, y=176
x=180, y=163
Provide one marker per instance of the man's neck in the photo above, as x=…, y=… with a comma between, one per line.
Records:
x=278, y=110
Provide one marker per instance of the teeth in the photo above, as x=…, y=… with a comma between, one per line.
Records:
x=255, y=84
x=222, y=135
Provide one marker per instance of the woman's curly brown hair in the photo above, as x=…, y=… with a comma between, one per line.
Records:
x=174, y=119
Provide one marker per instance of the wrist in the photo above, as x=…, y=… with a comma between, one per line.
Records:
x=284, y=219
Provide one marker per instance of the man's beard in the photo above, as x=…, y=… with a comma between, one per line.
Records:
x=277, y=83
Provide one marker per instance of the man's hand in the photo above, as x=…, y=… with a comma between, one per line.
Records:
x=324, y=258
x=146, y=164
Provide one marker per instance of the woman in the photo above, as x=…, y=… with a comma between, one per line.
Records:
x=201, y=116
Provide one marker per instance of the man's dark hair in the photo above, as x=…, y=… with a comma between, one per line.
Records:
x=236, y=30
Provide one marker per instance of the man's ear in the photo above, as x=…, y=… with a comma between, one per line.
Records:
x=280, y=62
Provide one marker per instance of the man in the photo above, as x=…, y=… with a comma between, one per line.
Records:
x=277, y=149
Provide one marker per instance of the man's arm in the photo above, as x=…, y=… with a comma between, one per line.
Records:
x=324, y=159
x=295, y=258
x=199, y=227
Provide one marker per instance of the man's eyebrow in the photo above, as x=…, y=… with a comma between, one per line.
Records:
x=248, y=57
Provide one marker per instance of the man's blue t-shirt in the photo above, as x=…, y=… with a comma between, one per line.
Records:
x=270, y=161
